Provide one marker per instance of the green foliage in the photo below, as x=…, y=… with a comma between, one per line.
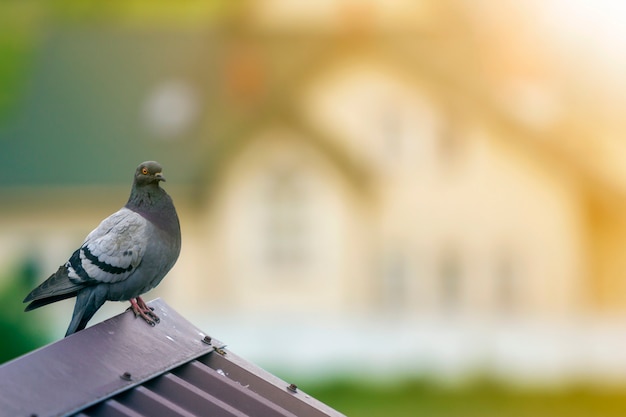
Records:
x=20, y=332
x=19, y=22
x=140, y=13
x=485, y=399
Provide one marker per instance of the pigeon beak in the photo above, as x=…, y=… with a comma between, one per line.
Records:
x=159, y=177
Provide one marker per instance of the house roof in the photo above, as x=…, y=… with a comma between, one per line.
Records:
x=86, y=117
x=123, y=367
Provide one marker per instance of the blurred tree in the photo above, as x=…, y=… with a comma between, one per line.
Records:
x=20, y=28
x=20, y=333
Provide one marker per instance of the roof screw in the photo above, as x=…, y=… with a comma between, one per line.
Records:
x=207, y=340
x=293, y=388
x=126, y=376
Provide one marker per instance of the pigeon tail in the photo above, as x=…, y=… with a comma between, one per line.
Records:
x=57, y=287
x=88, y=301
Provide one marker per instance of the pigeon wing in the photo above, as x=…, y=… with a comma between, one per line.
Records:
x=112, y=251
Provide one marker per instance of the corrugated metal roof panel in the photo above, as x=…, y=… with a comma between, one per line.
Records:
x=121, y=367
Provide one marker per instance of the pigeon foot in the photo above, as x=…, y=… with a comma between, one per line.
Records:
x=140, y=309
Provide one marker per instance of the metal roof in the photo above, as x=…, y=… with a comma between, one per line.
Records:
x=122, y=367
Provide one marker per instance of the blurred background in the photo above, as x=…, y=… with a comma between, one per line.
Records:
x=405, y=207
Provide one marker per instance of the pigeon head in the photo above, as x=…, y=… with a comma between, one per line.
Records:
x=149, y=172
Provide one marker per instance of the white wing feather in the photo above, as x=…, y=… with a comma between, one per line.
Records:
x=113, y=250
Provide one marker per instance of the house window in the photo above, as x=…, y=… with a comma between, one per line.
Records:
x=450, y=275
x=395, y=275
x=171, y=109
x=451, y=141
x=505, y=281
x=286, y=220
x=392, y=129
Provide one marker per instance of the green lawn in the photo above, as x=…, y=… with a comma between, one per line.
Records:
x=480, y=399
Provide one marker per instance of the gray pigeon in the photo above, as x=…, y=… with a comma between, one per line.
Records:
x=128, y=254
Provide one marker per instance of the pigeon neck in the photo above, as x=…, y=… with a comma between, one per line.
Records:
x=143, y=197
x=153, y=203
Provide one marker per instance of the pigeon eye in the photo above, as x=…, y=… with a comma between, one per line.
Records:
x=144, y=171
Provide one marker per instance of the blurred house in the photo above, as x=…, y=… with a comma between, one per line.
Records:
x=363, y=166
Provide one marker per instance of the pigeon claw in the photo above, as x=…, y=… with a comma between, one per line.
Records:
x=140, y=309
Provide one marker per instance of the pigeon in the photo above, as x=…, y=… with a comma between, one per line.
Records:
x=127, y=255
